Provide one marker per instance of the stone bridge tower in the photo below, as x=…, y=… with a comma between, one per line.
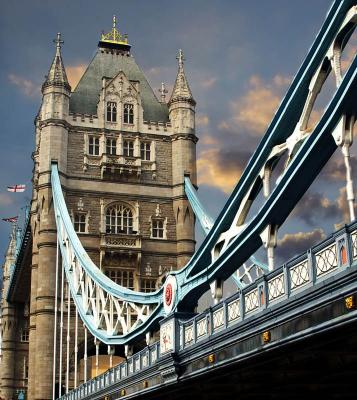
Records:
x=122, y=155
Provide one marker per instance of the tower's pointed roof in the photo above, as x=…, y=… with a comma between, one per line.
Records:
x=181, y=90
x=113, y=55
x=57, y=74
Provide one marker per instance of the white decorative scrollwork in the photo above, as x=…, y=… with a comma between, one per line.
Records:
x=188, y=334
x=233, y=310
x=326, y=260
x=218, y=318
x=201, y=328
x=251, y=300
x=276, y=287
x=299, y=275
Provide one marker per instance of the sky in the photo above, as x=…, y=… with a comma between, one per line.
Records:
x=240, y=59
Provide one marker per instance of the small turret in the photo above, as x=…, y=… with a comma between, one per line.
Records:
x=57, y=74
x=52, y=128
x=182, y=104
x=11, y=251
x=182, y=117
x=56, y=89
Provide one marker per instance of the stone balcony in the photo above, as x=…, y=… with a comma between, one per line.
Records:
x=124, y=165
x=120, y=241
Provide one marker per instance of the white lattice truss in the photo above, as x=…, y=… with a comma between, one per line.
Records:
x=113, y=314
x=343, y=136
x=248, y=273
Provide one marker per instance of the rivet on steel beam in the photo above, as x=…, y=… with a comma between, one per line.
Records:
x=350, y=302
x=266, y=336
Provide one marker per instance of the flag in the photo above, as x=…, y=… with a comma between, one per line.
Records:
x=11, y=219
x=16, y=188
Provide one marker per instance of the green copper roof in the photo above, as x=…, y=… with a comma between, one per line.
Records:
x=85, y=97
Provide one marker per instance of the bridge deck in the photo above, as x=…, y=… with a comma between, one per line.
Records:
x=290, y=330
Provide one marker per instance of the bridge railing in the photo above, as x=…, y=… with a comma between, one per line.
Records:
x=146, y=358
x=333, y=255
x=337, y=252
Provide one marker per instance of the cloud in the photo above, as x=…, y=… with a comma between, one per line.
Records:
x=74, y=74
x=208, y=140
x=202, y=120
x=347, y=57
x=26, y=86
x=5, y=199
x=335, y=169
x=208, y=83
x=293, y=244
x=256, y=108
x=343, y=205
x=314, y=206
x=31, y=89
x=221, y=168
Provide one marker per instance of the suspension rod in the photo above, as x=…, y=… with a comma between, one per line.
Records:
x=61, y=334
x=68, y=334
x=55, y=329
x=76, y=350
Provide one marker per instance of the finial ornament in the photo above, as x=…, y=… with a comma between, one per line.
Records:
x=180, y=57
x=163, y=92
x=58, y=41
x=114, y=36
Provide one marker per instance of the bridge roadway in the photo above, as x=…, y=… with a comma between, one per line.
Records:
x=291, y=333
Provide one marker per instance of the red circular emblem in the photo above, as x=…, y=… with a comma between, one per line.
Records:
x=168, y=294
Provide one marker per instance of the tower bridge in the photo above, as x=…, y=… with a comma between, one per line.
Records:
x=103, y=283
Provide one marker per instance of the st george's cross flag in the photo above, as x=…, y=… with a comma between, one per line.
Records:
x=16, y=188
x=11, y=219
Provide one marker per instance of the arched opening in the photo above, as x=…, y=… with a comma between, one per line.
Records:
x=119, y=219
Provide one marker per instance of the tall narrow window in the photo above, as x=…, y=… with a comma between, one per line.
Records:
x=148, y=285
x=158, y=228
x=145, y=151
x=111, y=111
x=111, y=146
x=128, y=113
x=128, y=148
x=79, y=223
x=121, y=277
x=93, y=148
x=25, y=334
x=119, y=219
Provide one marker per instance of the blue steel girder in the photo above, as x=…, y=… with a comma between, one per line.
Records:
x=304, y=165
x=301, y=172
x=280, y=128
x=204, y=219
x=207, y=222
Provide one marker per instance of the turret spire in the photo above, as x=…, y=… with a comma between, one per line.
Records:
x=57, y=74
x=181, y=90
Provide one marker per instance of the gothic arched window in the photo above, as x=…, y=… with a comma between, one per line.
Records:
x=119, y=219
x=128, y=113
x=111, y=111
